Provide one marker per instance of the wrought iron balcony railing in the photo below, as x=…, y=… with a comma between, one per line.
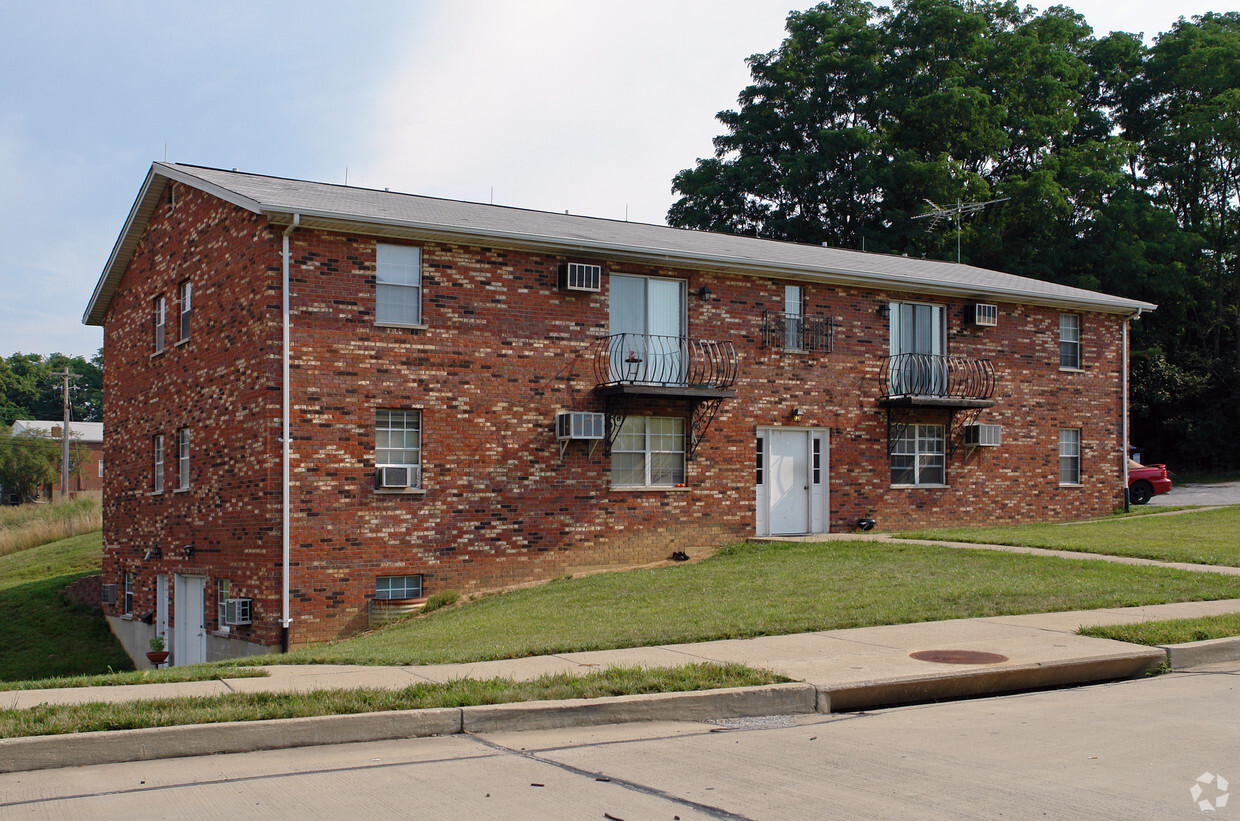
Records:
x=797, y=332
x=930, y=376
x=664, y=362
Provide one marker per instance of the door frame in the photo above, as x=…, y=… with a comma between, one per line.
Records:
x=189, y=629
x=818, y=493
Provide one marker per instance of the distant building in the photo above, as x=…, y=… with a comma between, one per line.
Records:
x=85, y=455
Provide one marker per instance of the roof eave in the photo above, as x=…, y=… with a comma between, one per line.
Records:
x=1102, y=303
x=135, y=225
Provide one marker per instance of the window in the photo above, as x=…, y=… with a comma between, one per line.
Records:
x=183, y=459
x=918, y=342
x=223, y=588
x=761, y=446
x=158, y=448
x=917, y=458
x=398, y=587
x=398, y=285
x=646, y=319
x=128, y=593
x=794, y=310
x=398, y=442
x=1069, y=341
x=649, y=452
x=1070, y=456
x=160, y=317
x=184, y=299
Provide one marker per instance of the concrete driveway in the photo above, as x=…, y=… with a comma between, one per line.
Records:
x=1220, y=493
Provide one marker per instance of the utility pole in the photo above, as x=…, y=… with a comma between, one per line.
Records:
x=66, y=374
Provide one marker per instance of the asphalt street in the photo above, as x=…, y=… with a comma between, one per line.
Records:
x=1132, y=749
x=1217, y=493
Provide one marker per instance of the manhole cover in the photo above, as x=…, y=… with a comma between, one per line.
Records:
x=958, y=656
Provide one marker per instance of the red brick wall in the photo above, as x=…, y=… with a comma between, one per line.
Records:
x=501, y=351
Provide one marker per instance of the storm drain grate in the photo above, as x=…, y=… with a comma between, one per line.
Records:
x=958, y=656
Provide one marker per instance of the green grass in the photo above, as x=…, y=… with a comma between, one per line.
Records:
x=25, y=526
x=79, y=718
x=45, y=636
x=1201, y=537
x=1172, y=631
x=759, y=589
x=167, y=675
x=1206, y=477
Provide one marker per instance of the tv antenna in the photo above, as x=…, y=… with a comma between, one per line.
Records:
x=960, y=209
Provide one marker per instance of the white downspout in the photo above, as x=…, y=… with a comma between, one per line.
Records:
x=1124, y=455
x=286, y=618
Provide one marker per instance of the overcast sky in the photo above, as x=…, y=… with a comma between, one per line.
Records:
x=573, y=105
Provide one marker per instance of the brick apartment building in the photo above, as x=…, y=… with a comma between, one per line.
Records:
x=85, y=457
x=480, y=396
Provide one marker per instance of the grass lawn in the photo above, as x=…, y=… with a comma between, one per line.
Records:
x=1202, y=537
x=763, y=589
x=80, y=718
x=1172, y=631
x=45, y=635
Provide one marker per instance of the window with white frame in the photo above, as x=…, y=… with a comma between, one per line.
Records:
x=398, y=285
x=398, y=587
x=183, y=459
x=223, y=590
x=1069, y=341
x=128, y=593
x=649, y=451
x=183, y=297
x=160, y=310
x=794, y=318
x=157, y=447
x=1070, y=456
x=917, y=457
x=398, y=442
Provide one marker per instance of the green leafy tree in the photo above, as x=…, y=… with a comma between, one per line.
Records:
x=29, y=391
x=28, y=461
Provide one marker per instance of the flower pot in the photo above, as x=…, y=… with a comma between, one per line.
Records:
x=157, y=656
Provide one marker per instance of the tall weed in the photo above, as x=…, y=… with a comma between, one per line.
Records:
x=25, y=526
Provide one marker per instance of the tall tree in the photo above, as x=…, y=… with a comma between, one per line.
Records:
x=29, y=391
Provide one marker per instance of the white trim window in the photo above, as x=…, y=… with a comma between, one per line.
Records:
x=1070, y=456
x=1069, y=342
x=183, y=459
x=398, y=285
x=398, y=442
x=129, y=592
x=157, y=449
x=794, y=318
x=183, y=297
x=160, y=310
x=388, y=588
x=918, y=456
x=223, y=591
x=649, y=451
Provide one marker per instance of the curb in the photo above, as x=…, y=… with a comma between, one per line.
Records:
x=1196, y=653
x=989, y=681
x=120, y=746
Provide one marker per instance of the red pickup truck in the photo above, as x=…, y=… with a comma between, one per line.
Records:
x=1144, y=481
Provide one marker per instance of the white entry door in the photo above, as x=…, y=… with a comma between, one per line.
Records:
x=189, y=631
x=792, y=493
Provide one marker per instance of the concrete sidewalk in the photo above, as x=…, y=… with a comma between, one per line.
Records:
x=838, y=670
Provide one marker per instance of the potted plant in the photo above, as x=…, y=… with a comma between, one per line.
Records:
x=158, y=653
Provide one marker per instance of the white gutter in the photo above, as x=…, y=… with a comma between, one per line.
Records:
x=285, y=617
x=1124, y=455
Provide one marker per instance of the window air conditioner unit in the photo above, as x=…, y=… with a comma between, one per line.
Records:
x=109, y=594
x=580, y=425
x=238, y=611
x=982, y=436
x=577, y=276
x=983, y=315
x=396, y=476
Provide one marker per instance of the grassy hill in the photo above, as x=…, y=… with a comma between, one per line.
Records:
x=44, y=635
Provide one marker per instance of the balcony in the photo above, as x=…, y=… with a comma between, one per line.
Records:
x=917, y=380
x=795, y=332
x=640, y=364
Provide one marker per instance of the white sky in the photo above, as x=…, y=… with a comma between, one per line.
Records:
x=559, y=105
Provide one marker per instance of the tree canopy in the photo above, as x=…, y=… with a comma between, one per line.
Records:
x=29, y=391
x=1119, y=162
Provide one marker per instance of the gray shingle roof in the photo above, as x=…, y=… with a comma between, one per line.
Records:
x=392, y=213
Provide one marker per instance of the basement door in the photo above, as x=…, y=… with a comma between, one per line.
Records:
x=792, y=488
x=189, y=630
